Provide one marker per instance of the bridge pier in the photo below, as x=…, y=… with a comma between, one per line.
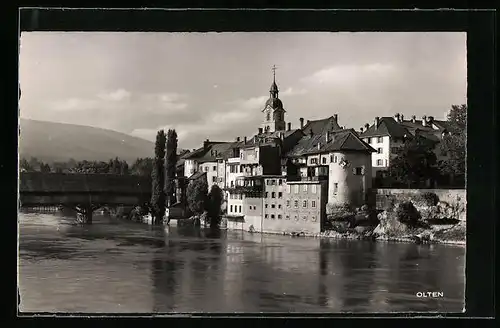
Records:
x=84, y=213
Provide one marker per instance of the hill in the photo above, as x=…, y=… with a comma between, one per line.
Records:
x=49, y=142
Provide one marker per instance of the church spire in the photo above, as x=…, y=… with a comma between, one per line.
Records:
x=274, y=87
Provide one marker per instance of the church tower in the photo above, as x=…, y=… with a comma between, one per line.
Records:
x=274, y=113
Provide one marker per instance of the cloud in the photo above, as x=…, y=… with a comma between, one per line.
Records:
x=340, y=74
x=250, y=103
x=293, y=92
x=118, y=95
x=72, y=104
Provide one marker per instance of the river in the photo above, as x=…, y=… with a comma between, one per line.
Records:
x=124, y=267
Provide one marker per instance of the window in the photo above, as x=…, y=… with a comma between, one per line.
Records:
x=232, y=184
x=231, y=208
x=250, y=207
x=267, y=194
x=273, y=206
x=273, y=182
x=266, y=216
x=304, y=218
x=206, y=169
x=313, y=203
x=214, y=168
x=380, y=162
x=214, y=179
x=296, y=203
x=296, y=218
x=379, y=150
x=323, y=160
x=280, y=194
x=313, y=188
x=287, y=203
x=304, y=188
x=272, y=216
x=241, y=169
x=380, y=139
x=273, y=195
x=265, y=206
x=314, y=161
x=333, y=159
x=304, y=203
x=358, y=171
x=279, y=216
x=335, y=187
x=279, y=205
x=287, y=217
x=280, y=182
x=296, y=189
x=313, y=219
x=369, y=140
x=288, y=188
x=239, y=208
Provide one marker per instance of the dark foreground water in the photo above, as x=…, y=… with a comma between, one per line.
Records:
x=119, y=266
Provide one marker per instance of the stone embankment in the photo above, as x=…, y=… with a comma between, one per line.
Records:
x=413, y=217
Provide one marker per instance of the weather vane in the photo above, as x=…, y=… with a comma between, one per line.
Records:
x=274, y=72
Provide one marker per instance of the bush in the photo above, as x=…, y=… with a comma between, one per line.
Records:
x=430, y=198
x=407, y=214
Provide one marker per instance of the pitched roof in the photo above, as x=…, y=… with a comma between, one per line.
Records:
x=197, y=175
x=387, y=126
x=213, y=151
x=321, y=126
x=341, y=140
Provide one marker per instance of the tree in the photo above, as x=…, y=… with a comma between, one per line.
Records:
x=414, y=163
x=158, y=179
x=197, y=194
x=170, y=166
x=453, y=146
x=45, y=168
x=25, y=166
x=142, y=166
x=215, y=199
x=124, y=168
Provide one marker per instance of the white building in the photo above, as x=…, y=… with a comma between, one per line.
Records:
x=387, y=134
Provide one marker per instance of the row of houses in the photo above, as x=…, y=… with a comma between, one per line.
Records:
x=280, y=179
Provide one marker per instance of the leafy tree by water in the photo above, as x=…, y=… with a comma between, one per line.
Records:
x=170, y=166
x=142, y=166
x=214, y=203
x=453, y=146
x=25, y=166
x=158, y=179
x=414, y=164
x=197, y=194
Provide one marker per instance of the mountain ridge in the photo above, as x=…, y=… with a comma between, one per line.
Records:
x=54, y=141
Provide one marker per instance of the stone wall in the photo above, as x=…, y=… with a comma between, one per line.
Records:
x=386, y=198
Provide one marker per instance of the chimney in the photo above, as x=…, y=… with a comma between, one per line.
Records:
x=289, y=126
x=260, y=130
x=367, y=126
x=245, y=139
x=424, y=120
x=319, y=145
x=413, y=118
x=205, y=144
x=361, y=129
x=238, y=139
x=397, y=117
x=377, y=120
x=308, y=121
x=327, y=136
x=402, y=117
x=335, y=117
x=430, y=119
x=301, y=122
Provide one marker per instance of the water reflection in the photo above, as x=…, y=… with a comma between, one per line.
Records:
x=119, y=266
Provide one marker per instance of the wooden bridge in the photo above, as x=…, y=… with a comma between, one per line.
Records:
x=83, y=192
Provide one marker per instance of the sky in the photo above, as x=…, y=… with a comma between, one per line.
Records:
x=214, y=85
